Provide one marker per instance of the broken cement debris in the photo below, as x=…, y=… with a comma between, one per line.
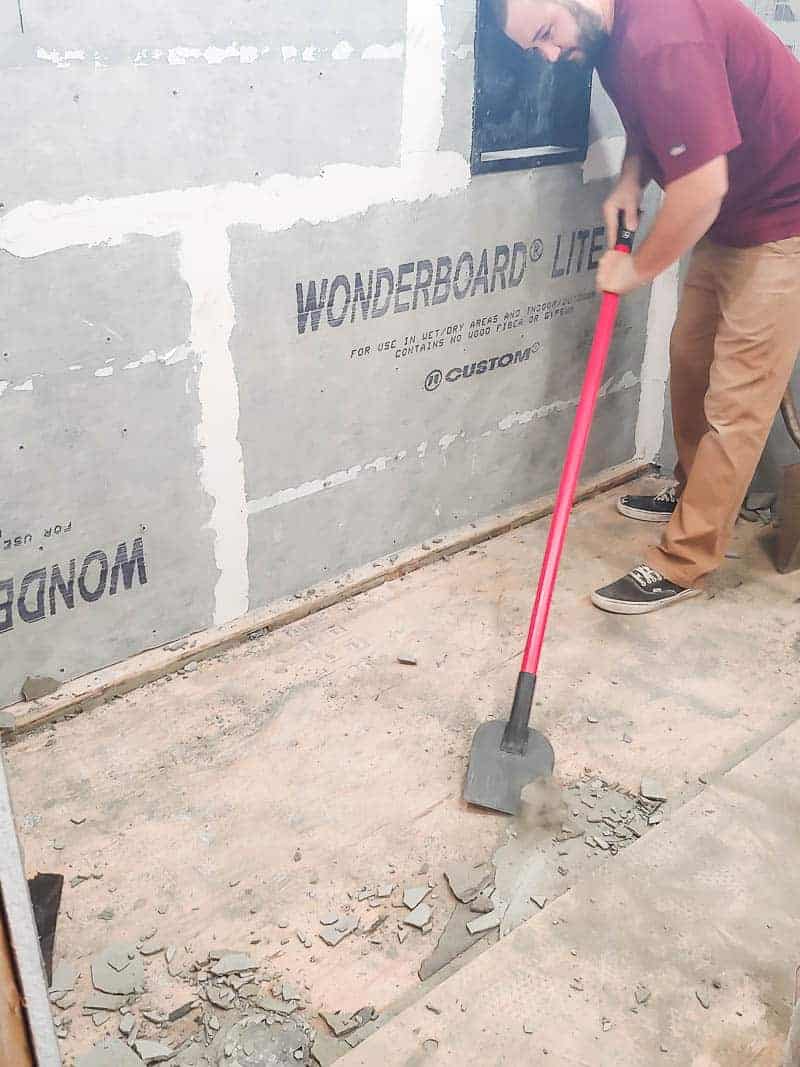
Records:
x=342, y=1024
x=37, y=687
x=650, y=789
x=64, y=977
x=420, y=917
x=109, y=1053
x=414, y=896
x=107, y=979
x=467, y=880
x=233, y=963
x=154, y=1051
x=229, y=982
x=484, y=923
x=334, y=935
x=325, y=1050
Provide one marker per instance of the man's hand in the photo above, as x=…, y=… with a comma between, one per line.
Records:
x=626, y=198
x=617, y=273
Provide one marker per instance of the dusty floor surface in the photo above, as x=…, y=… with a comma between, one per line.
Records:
x=242, y=801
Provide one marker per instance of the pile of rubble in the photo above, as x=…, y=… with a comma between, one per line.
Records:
x=240, y=1013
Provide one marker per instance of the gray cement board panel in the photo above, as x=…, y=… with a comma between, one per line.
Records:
x=96, y=24
x=295, y=547
x=413, y=461
x=121, y=131
x=92, y=463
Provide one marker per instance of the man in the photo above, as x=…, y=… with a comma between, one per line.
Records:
x=710, y=101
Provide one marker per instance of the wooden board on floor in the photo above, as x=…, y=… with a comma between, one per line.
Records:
x=14, y=1045
x=26, y=1021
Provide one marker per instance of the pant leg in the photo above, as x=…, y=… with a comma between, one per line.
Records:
x=756, y=346
x=691, y=355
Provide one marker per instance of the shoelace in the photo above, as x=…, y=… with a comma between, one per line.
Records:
x=668, y=495
x=646, y=577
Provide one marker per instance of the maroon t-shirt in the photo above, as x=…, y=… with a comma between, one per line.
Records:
x=697, y=79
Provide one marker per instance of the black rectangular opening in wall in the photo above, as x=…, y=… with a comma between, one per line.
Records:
x=527, y=112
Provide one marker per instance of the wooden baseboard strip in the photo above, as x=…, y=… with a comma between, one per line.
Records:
x=101, y=686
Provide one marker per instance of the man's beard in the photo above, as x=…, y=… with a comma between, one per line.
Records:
x=592, y=36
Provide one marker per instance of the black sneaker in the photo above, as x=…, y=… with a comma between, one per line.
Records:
x=639, y=592
x=649, y=508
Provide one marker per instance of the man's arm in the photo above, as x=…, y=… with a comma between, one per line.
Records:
x=690, y=207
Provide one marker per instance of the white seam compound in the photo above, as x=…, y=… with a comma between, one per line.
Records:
x=205, y=266
x=424, y=80
x=213, y=55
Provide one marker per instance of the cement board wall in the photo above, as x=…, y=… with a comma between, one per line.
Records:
x=258, y=325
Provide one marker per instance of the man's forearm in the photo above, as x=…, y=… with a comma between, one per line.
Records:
x=633, y=168
x=689, y=209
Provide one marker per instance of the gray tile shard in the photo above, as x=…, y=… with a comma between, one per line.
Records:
x=126, y=1024
x=109, y=1053
x=120, y=959
x=289, y=993
x=453, y=942
x=326, y=1050
x=334, y=935
x=105, y=1002
x=268, y=1003
x=151, y=948
x=233, y=963
x=651, y=789
x=482, y=904
x=220, y=998
x=414, y=896
x=419, y=917
x=63, y=978
x=342, y=1024
x=154, y=1051
x=467, y=880
x=484, y=923
x=37, y=687
x=108, y=980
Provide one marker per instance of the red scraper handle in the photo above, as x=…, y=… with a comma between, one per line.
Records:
x=572, y=467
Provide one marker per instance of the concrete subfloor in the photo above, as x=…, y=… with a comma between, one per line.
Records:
x=269, y=783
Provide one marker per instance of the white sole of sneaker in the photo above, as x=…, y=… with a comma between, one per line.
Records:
x=620, y=607
x=642, y=516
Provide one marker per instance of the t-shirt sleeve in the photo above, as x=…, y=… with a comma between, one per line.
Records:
x=684, y=108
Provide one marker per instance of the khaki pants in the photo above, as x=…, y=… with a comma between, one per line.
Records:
x=733, y=348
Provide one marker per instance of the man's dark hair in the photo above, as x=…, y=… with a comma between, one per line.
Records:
x=499, y=9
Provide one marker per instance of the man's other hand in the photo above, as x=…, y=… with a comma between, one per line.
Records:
x=626, y=199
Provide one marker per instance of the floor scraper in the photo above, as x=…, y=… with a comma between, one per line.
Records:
x=507, y=756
